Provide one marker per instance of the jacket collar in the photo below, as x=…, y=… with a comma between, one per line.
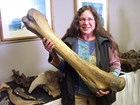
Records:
x=101, y=39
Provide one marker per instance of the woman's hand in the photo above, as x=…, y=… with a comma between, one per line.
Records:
x=49, y=46
x=101, y=93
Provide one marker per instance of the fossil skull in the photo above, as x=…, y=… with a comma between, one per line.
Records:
x=50, y=82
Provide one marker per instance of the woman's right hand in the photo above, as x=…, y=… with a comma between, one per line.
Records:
x=49, y=46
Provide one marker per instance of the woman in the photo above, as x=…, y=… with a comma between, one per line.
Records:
x=87, y=37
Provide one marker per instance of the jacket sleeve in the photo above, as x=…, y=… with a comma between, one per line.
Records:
x=57, y=62
x=115, y=65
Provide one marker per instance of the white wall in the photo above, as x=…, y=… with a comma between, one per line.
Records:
x=125, y=23
x=63, y=15
x=30, y=57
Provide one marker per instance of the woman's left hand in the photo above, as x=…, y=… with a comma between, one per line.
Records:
x=101, y=93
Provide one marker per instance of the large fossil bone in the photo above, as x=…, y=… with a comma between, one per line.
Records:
x=94, y=77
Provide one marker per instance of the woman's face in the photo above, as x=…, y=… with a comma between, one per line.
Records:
x=87, y=23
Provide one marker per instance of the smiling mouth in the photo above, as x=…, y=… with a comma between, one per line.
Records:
x=86, y=28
